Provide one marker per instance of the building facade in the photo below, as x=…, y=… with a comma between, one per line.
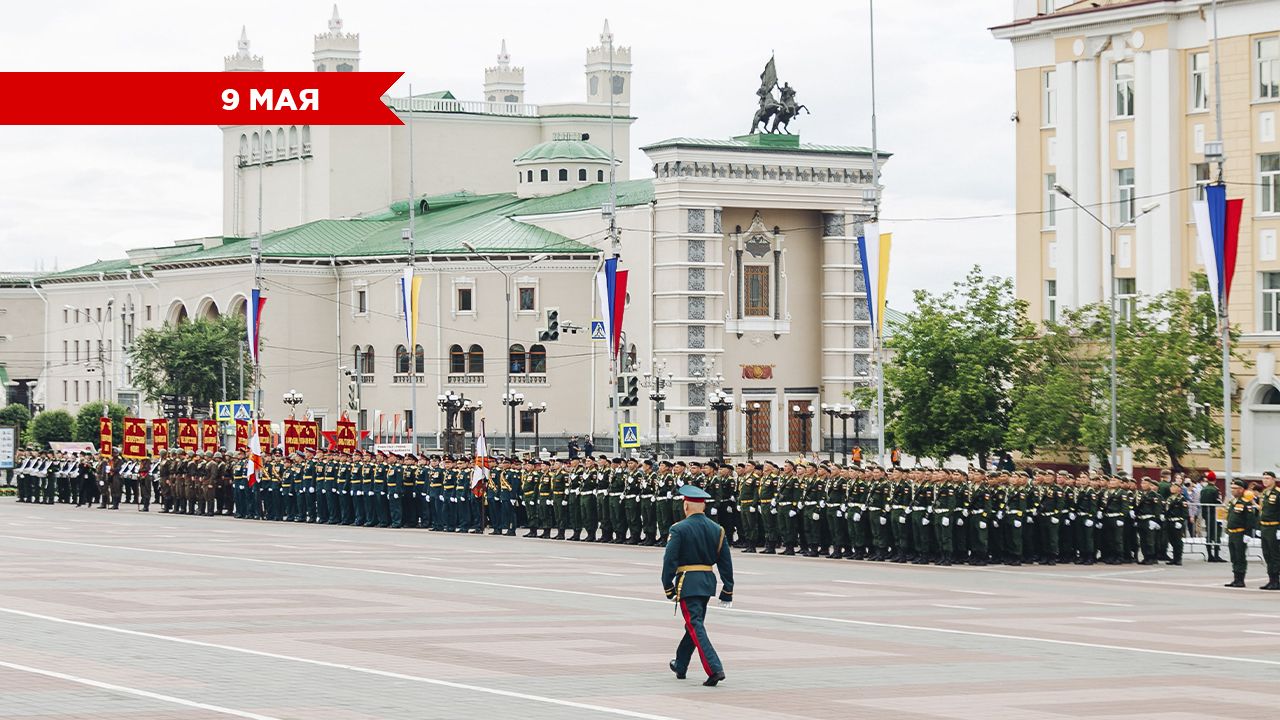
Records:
x=741, y=256
x=1115, y=103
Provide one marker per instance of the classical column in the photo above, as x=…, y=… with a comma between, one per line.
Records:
x=1090, y=166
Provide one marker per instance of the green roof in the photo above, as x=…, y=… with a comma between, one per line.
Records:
x=437, y=95
x=893, y=319
x=735, y=144
x=563, y=150
x=100, y=266
x=630, y=192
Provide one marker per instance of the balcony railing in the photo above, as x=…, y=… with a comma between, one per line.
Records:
x=465, y=379
x=475, y=107
x=540, y=379
x=406, y=379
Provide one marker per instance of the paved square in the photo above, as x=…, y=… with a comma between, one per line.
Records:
x=110, y=615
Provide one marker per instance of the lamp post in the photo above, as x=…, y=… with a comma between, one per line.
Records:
x=656, y=382
x=512, y=400
x=1111, y=230
x=722, y=403
x=293, y=399
x=537, y=411
x=803, y=414
x=844, y=412
x=506, y=286
x=831, y=411
x=751, y=410
x=451, y=403
x=470, y=409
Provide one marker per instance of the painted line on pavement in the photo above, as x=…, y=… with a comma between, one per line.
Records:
x=1107, y=604
x=1262, y=632
x=121, y=689
x=1102, y=619
x=336, y=666
x=958, y=607
x=606, y=596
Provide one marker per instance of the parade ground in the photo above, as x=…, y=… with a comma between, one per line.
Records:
x=109, y=615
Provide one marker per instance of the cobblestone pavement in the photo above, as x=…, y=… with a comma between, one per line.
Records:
x=110, y=615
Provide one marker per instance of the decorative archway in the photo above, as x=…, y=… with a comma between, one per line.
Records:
x=177, y=313
x=1260, y=426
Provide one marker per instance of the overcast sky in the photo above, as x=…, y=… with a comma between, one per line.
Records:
x=72, y=195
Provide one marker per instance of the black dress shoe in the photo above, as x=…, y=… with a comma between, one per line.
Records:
x=714, y=679
x=679, y=674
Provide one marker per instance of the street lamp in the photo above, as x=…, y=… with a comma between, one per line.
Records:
x=722, y=403
x=470, y=409
x=1111, y=229
x=658, y=384
x=844, y=412
x=751, y=410
x=512, y=400
x=537, y=411
x=451, y=403
x=293, y=399
x=803, y=414
x=506, y=283
x=831, y=411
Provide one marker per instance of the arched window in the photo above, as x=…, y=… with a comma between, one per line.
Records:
x=475, y=360
x=293, y=141
x=280, y=142
x=419, y=360
x=529, y=176
x=564, y=175
x=519, y=177
x=357, y=358
x=306, y=139
x=268, y=146
x=244, y=148
x=368, y=360
x=582, y=174
x=511, y=98
x=599, y=176
x=256, y=152
x=542, y=175
x=402, y=359
x=457, y=360
x=518, y=362
x=538, y=359
x=632, y=363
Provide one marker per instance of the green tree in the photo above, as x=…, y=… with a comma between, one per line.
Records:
x=15, y=414
x=947, y=389
x=86, y=429
x=51, y=426
x=186, y=359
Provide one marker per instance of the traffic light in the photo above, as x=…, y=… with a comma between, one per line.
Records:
x=353, y=399
x=552, y=333
x=631, y=394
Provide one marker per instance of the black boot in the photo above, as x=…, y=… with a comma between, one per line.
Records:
x=546, y=534
x=751, y=548
x=769, y=549
x=532, y=533
x=1274, y=583
x=591, y=536
x=560, y=534
x=1238, y=582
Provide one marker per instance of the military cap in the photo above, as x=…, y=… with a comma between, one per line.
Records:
x=1240, y=483
x=693, y=493
x=664, y=463
x=1268, y=473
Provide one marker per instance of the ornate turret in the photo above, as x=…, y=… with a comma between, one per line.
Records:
x=503, y=83
x=336, y=51
x=242, y=61
x=597, y=71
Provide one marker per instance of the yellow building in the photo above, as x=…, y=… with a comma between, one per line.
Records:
x=1115, y=103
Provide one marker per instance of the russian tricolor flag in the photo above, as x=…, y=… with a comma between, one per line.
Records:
x=253, y=319
x=611, y=287
x=1218, y=234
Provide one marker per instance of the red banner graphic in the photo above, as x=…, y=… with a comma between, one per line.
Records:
x=264, y=435
x=346, y=438
x=134, y=445
x=301, y=434
x=209, y=435
x=159, y=436
x=242, y=435
x=199, y=98
x=104, y=436
x=188, y=434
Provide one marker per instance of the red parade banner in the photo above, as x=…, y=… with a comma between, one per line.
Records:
x=242, y=435
x=346, y=438
x=264, y=435
x=134, y=446
x=188, y=434
x=199, y=98
x=159, y=436
x=209, y=435
x=104, y=436
x=300, y=435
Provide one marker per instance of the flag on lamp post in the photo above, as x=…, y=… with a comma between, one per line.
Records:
x=611, y=289
x=253, y=319
x=1217, y=235
x=410, y=288
x=873, y=253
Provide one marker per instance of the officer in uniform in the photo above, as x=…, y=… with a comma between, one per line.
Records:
x=1240, y=518
x=696, y=544
x=1149, y=518
x=1175, y=519
x=1269, y=528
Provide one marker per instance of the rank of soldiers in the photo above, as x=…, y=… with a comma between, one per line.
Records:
x=916, y=516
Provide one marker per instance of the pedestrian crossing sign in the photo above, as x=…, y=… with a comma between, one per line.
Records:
x=597, y=330
x=232, y=410
x=630, y=433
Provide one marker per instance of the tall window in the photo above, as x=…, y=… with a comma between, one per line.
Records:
x=362, y=301
x=1122, y=74
x=1049, y=98
x=402, y=359
x=563, y=175
x=419, y=360
x=457, y=360
x=1124, y=195
x=1200, y=172
x=1267, y=61
x=538, y=359
x=1199, y=90
x=517, y=362
x=1271, y=301
x=1050, y=201
x=582, y=174
x=542, y=175
x=526, y=421
x=464, y=300
x=475, y=360
x=755, y=291
x=1269, y=182
x=528, y=298
x=1051, y=301
x=1126, y=297
x=366, y=367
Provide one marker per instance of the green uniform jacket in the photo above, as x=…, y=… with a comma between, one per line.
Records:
x=696, y=543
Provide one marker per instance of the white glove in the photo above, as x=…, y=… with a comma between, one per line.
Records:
x=312, y=489
x=1177, y=526
x=395, y=496
x=359, y=493
x=1088, y=523
x=924, y=521
x=959, y=522
x=902, y=519
x=1017, y=523
x=713, y=511
x=1153, y=525
x=884, y=520
x=751, y=509
x=773, y=511
x=982, y=524
x=564, y=502
x=1099, y=514
x=1000, y=515
x=946, y=522
x=1132, y=515
x=791, y=513
x=453, y=499
x=1072, y=516
x=816, y=516
x=1053, y=520
x=549, y=503
x=839, y=513
x=964, y=512
x=858, y=516
x=1278, y=534
x=726, y=604
x=1119, y=522
x=513, y=502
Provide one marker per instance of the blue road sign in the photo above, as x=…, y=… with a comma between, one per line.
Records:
x=630, y=433
x=597, y=330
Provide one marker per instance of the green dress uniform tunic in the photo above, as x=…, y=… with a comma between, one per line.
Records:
x=696, y=544
x=1269, y=528
x=1240, y=517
